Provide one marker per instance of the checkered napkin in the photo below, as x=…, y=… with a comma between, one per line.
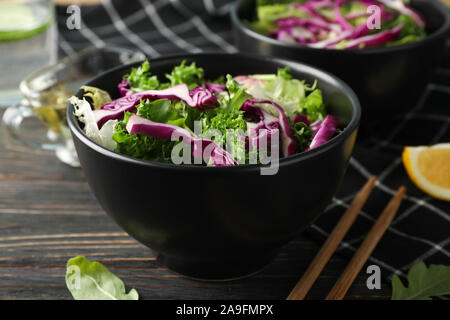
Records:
x=421, y=229
x=156, y=27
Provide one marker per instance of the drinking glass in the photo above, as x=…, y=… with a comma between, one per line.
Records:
x=28, y=41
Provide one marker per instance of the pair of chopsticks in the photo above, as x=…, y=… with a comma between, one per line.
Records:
x=362, y=254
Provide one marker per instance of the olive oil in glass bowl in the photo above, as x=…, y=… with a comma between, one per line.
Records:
x=39, y=121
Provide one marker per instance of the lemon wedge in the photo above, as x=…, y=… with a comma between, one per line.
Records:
x=429, y=169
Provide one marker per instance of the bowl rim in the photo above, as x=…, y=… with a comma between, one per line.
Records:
x=238, y=23
x=351, y=127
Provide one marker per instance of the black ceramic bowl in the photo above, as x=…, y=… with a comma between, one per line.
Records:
x=219, y=222
x=386, y=80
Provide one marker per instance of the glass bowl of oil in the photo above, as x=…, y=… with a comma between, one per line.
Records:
x=39, y=121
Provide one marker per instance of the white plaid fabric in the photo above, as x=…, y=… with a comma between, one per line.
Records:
x=155, y=27
x=421, y=229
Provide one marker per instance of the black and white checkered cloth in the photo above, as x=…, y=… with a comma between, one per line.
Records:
x=421, y=229
x=156, y=28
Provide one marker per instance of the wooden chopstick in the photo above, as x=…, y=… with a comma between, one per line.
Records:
x=365, y=250
x=333, y=241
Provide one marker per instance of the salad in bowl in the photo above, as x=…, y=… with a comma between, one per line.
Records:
x=184, y=118
x=339, y=24
x=387, y=51
x=214, y=219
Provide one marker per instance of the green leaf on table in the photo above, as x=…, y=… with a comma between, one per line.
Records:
x=88, y=280
x=423, y=283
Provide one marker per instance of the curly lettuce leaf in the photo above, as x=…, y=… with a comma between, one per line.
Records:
x=313, y=107
x=141, y=146
x=223, y=121
x=141, y=78
x=284, y=73
x=236, y=97
x=89, y=280
x=190, y=75
x=302, y=135
x=423, y=283
x=228, y=115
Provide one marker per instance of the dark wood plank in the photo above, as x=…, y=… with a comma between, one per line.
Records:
x=48, y=215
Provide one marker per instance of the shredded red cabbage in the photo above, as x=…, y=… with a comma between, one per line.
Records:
x=219, y=156
x=374, y=39
x=200, y=98
x=320, y=31
x=123, y=87
x=263, y=127
x=307, y=22
x=247, y=82
x=339, y=18
x=289, y=146
x=301, y=118
x=325, y=131
x=316, y=126
x=215, y=88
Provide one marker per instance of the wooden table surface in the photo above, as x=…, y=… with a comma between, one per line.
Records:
x=48, y=215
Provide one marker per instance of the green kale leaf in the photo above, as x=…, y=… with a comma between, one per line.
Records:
x=141, y=78
x=228, y=115
x=141, y=146
x=302, y=135
x=187, y=74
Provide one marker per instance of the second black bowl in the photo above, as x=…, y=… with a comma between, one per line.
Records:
x=387, y=80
